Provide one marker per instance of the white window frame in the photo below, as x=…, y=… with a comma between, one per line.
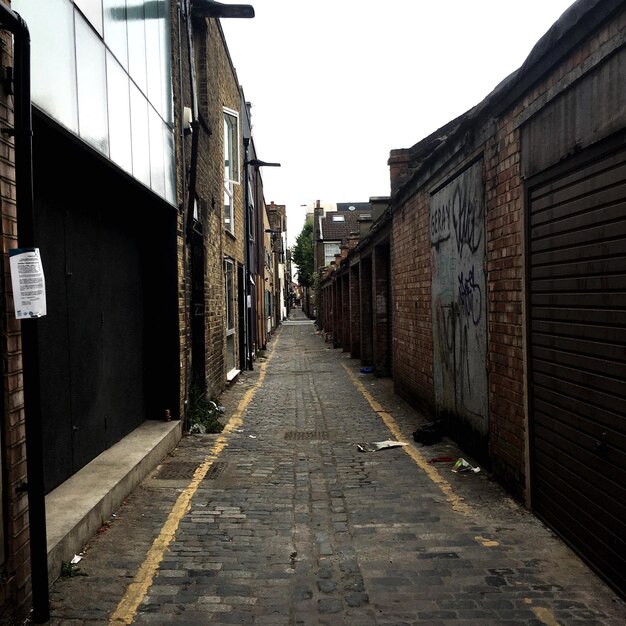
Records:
x=229, y=287
x=327, y=258
x=230, y=292
x=230, y=128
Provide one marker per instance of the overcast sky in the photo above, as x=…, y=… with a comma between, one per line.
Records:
x=336, y=84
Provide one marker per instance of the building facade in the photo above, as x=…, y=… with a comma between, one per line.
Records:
x=138, y=163
x=278, y=227
x=496, y=277
x=108, y=132
x=100, y=363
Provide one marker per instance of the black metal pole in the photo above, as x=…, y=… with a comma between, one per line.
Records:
x=247, y=275
x=29, y=328
x=195, y=129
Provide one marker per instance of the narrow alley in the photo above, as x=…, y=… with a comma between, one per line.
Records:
x=281, y=519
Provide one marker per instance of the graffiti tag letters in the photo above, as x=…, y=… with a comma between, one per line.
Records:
x=467, y=220
x=439, y=224
x=470, y=297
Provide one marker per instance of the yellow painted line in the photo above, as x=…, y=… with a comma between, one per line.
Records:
x=446, y=488
x=486, y=543
x=544, y=615
x=137, y=590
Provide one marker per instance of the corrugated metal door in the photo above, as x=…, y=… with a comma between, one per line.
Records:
x=577, y=338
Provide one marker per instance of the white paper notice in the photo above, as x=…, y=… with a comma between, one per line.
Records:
x=29, y=284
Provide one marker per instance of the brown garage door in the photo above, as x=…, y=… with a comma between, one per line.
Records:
x=577, y=370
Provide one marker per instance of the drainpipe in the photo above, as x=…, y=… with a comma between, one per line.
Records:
x=248, y=274
x=187, y=207
x=195, y=128
x=23, y=132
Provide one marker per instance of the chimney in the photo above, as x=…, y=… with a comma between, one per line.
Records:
x=399, y=167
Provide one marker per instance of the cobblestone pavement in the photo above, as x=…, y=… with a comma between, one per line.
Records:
x=292, y=524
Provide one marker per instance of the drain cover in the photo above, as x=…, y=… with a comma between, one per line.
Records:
x=177, y=470
x=306, y=435
x=216, y=470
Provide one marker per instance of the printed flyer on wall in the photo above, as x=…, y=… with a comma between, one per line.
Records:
x=28, y=281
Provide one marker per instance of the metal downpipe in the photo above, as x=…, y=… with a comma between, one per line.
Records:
x=23, y=131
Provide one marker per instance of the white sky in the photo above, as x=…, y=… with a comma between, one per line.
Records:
x=337, y=84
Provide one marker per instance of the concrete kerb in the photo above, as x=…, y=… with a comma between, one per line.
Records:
x=77, y=508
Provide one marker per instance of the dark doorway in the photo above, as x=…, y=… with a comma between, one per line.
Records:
x=109, y=344
x=241, y=312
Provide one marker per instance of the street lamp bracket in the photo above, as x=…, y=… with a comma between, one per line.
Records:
x=210, y=8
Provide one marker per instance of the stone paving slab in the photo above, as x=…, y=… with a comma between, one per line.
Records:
x=300, y=528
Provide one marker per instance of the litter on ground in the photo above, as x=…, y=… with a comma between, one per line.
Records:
x=380, y=445
x=463, y=466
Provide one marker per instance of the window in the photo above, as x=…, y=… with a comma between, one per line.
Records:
x=229, y=278
x=230, y=296
x=89, y=73
x=339, y=218
x=330, y=250
x=231, y=166
x=251, y=220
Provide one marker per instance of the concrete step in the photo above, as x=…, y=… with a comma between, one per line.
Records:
x=76, y=509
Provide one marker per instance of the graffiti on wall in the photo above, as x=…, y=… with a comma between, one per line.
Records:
x=457, y=238
x=440, y=224
x=470, y=297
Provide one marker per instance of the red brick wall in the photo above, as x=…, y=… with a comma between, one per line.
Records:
x=412, y=272
x=217, y=87
x=180, y=183
x=345, y=304
x=355, y=313
x=504, y=227
x=411, y=301
x=504, y=196
x=366, y=311
x=380, y=298
x=15, y=564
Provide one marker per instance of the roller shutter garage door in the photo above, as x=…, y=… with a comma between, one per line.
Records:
x=577, y=368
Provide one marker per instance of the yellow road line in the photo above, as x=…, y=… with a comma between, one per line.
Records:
x=137, y=590
x=544, y=615
x=446, y=488
x=486, y=543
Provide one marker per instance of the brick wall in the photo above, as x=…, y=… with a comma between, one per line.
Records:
x=217, y=88
x=355, y=312
x=413, y=331
x=210, y=191
x=504, y=227
x=411, y=297
x=14, y=563
x=338, y=311
x=228, y=95
x=180, y=147
x=366, y=313
x=489, y=141
x=504, y=222
x=380, y=297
